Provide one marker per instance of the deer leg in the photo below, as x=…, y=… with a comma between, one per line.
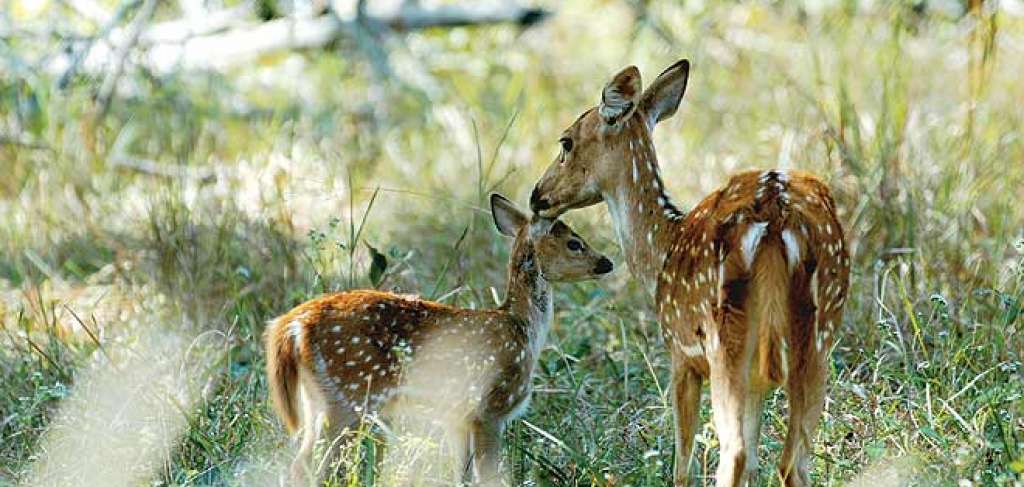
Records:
x=806, y=394
x=752, y=409
x=485, y=451
x=461, y=443
x=728, y=404
x=730, y=354
x=686, y=384
x=320, y=419
x=311, y=428
x=341, y=436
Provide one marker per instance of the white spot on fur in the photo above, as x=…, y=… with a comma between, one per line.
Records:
x=692, y=350
x=750, y=241
x=784, y=358
x=713, y=341
x=792, y=248
x=814, y=287
x=295, y=330
x=721, y=279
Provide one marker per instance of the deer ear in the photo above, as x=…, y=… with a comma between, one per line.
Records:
x=620, y=96
x=507, y=218
x=661, y=99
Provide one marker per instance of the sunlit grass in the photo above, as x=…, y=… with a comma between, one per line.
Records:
x=920, y=140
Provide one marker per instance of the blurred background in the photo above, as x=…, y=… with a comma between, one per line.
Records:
x=175, y=173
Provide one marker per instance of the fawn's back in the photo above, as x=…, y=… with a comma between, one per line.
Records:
x=358, y=346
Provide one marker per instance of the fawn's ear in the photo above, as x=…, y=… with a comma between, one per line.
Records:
x=661, y=99
x=507, y=218
x=620, y=96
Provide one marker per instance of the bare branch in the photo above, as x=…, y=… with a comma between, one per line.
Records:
x=170, y=47
x=109, y=85
x=69, y=67
x=153, y=168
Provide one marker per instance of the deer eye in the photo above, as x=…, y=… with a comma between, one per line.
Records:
x=575, y=245
x=566, y=143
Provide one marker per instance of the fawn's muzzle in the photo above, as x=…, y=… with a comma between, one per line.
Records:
x=604, y=266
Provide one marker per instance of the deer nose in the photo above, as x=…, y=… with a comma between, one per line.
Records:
x=536, y=202
x=604, y=266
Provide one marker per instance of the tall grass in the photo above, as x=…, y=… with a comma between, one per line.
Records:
x=913, y=117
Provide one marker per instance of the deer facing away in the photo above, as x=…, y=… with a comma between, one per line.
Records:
x=346, y=355
x=748, y=286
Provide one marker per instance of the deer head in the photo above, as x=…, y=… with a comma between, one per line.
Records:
x=595, y=149
x=560, y=254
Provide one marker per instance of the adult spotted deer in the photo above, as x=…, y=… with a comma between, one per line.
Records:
x=355, y=353
x=748, y=286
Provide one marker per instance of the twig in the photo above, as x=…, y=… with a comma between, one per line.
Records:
x=153, y=168
x=95, y=339
x=75, y=63
x=106, y=92
x=24, y=143
x=181, y=30
x=87, y=9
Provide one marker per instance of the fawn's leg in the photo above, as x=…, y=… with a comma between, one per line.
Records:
x=312, y=424
x=320, y=419
x=485, y=451
x=686, y=385
x=461, y=446
x=341, y=436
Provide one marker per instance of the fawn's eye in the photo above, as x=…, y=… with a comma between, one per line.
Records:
x=575, y=245
x=566, y=143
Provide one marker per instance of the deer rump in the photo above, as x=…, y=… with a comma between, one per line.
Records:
x=749, y=275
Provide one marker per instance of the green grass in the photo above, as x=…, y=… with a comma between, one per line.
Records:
x=917, y=131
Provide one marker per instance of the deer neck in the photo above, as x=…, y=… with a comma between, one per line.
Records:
x=528, y=295
x=644, y=217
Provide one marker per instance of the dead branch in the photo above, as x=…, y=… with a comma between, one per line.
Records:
x=109, y=85
x=172, y=46
x=153, y=168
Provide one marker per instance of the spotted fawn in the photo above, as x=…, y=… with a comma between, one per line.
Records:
x=344, y=356
x=749, y=285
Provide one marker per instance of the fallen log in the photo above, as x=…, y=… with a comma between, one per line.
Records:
x=164, y=48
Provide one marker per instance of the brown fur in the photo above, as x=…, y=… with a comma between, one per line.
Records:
x=282, y=374
x=749, y=285
x=362, y=352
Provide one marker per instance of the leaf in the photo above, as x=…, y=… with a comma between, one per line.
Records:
x=378, y=265
x=931, y=433
x=1017, y=465
x=875, y=449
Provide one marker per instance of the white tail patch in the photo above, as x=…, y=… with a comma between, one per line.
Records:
x=750, y=241
x=295, y=330
x=792, y=248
